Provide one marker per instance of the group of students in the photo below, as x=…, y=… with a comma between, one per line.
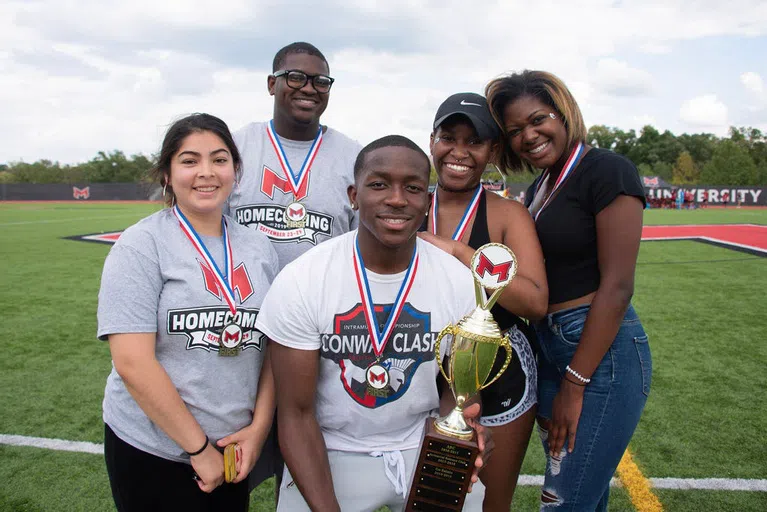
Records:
x=295, y=271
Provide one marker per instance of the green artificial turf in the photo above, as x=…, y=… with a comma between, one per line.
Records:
x=702, y=306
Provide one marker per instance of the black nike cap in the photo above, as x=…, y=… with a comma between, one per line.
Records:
x=474, y=107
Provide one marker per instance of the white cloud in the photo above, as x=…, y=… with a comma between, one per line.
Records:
x=639, y=122
x=753, y=82
x=618, y=78
x=705, y=112
x=73, y=84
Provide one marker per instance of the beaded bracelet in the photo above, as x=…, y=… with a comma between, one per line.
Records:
x=577, y=375
x=192, y=454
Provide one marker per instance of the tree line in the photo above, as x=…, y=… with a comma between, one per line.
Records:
x=740, y=159
x=112, y=167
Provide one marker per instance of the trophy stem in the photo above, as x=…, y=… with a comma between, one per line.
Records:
x=454, y=424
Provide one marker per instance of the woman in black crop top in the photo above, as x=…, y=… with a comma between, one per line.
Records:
x=595, y=365
x=465, y=217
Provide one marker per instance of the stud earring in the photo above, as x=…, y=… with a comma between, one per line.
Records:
x=551, y=115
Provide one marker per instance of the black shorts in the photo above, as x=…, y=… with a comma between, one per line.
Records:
x=516, y=390
x=143, y=482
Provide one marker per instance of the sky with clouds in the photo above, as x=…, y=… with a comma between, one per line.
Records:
x=82, y=76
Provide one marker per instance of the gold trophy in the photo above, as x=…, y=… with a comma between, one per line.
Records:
x=449, y=446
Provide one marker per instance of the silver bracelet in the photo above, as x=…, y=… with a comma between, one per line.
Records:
x=577, y=375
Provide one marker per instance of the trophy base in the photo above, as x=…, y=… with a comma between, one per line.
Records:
x=443, y=472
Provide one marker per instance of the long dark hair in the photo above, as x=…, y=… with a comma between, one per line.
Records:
x=175, y=136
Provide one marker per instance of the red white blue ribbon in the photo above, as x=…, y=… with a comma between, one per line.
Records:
x=572, y=161
x=471, y=209
x=379, y=337
x=222, y=280
x=295, y=181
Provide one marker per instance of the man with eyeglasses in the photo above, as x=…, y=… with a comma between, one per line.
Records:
x=295, y=176
x=295, y=170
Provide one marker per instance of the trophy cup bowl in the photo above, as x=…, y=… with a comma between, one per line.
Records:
x=449, y=446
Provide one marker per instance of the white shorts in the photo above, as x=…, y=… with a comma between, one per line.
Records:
x=361, y=484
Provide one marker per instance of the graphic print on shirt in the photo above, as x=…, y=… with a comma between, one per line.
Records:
x=411, y=344
x=270, y=218
x=208, y=327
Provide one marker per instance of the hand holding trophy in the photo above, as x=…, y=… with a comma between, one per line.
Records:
x=449, y=447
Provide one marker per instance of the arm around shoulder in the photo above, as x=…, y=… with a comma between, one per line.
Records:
x=528, y=293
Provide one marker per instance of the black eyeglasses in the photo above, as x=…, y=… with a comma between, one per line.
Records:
x=297, y=79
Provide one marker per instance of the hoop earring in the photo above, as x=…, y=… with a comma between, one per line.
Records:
x=164, y=190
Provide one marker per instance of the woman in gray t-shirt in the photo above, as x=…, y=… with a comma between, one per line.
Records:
x=180, y=293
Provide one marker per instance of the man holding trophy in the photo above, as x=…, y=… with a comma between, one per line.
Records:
x=354, y=325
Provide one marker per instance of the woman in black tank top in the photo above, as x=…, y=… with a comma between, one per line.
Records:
x=464, y=140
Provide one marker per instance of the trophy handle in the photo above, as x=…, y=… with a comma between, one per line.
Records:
x=450, y=329
x=506, y=344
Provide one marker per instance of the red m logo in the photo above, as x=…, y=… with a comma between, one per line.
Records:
x=295, y=212
x=81, y=193
x=233, y=337
x=270, y=180
x=650, y=181
x=240, y=282
x=381, y=377
x=485, y=266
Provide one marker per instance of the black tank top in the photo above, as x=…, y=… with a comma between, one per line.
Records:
x=480, y=235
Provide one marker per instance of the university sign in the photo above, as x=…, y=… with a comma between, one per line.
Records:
x=745, y=196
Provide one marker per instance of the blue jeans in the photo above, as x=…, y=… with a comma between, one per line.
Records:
x=612, y=405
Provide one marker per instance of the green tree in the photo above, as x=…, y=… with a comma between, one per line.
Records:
x=625, y=142
x=663, y=169
x=653, y=147
x=684, y=171
x=700, y=146
x=42, y=171
x=731, y=164
x=645, y=170
x=601, y=136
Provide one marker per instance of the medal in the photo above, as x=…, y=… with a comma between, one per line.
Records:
x=572, y=161
x=231, y=335
x=468, y=214
x=377, y=378
x=376, y=375
x=295, y=213
x=230, y=341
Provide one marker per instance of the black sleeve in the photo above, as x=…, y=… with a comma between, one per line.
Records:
x=610, y=176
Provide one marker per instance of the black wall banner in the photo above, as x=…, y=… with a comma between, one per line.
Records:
x=745, y=196
x=80, y=192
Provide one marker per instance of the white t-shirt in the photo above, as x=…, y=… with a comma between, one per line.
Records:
x=260, y=199
x=314, y=304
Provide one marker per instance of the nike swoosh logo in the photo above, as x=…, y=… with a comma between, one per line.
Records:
x=464, y=102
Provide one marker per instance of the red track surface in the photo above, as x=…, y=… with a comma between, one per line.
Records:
x=750, y=236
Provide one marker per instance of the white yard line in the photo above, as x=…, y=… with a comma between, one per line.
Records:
x=711, y=484
x=52, y=444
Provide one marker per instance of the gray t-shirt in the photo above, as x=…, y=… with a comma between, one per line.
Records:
x=263, y=193
x=154, y=281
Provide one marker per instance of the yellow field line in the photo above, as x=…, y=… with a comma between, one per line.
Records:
x=637, y=486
